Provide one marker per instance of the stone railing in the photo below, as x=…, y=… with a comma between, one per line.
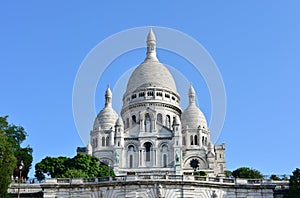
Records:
x=185, y=178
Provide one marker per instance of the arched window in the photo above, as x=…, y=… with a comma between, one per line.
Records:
x=192, y=140
x=165, y=160
x=96, y=142
x=202, y=140
x=148, y=147
x=131, y=148
x=183, y=140
x=196, y=140
x=147, y=122
x=127, y=123
x=130, y=161
x=168, y=122
x=159, y=118
x=103, y=141
x=107, y=141
x=205, y=143
x=164, y=148
x=133, y=119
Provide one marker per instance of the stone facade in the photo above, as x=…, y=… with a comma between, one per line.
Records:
x=153, y=134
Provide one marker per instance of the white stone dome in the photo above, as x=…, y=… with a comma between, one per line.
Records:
x=192, y=116
x=151, y=73
x=106, y=118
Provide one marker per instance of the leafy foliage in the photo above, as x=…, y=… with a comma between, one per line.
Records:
x=228, y=173
x=7, y=163
x=16, y=135
x=200, y=173
x=80, y=166
x=75, y=173
x=294, y=185
x=248, y=173
x=275, y=177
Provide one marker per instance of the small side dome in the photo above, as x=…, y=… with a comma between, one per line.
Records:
x=193, y=117
x=107, y=117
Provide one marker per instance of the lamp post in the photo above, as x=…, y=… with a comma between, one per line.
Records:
x=20, y=170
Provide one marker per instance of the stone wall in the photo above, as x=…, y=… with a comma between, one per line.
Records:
x=150, y=186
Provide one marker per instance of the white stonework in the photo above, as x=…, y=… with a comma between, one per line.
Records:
x=147, y=186
x=152, y=134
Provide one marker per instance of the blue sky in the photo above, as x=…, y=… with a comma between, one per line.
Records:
x=254, y=43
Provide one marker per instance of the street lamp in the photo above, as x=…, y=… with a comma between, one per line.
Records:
x=20, y=170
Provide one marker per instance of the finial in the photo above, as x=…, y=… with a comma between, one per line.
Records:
x=151, y=36
x=151, y=46
x=192, y=94
x=108, y=96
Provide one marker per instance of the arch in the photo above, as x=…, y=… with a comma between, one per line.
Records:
x=191, y=140
x=164, y=148
x=183, y=140
x=131, y=148
x=159, y=118
x=202, y=162
x=134, y=143
x=133, y=119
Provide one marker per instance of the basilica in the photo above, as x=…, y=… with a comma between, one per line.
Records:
x=153, y=134
x=153, y=146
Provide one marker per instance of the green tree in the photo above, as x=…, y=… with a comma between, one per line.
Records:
x=228, y=173
x=275, y=177
x=248, y=173
x=51, y=166
x=7, y=163
x=16, y=136
x=74, y=173
x=294, y=185
x=82, y=165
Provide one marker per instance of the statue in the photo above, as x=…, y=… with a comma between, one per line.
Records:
x=214, y=195
x=116, y=157
x=159, y=190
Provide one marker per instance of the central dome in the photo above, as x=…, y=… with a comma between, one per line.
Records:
x=151, y=72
